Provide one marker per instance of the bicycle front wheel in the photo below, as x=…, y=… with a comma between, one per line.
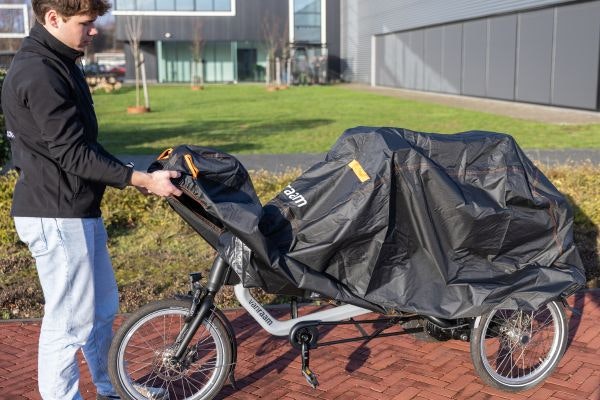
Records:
x=515, y=350
x=141, y=362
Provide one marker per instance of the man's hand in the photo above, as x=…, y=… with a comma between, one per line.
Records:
x=158, y=182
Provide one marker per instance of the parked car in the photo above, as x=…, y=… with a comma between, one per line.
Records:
x=94, y=69
x=118, y=70
x=103, y=71
x=99, y=76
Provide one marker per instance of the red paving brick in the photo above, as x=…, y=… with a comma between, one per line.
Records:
x=397, y=367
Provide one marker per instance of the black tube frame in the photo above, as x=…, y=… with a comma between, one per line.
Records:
x=216, y=279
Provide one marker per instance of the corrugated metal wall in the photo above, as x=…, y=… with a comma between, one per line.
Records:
x=363, y=18
x=546, y=55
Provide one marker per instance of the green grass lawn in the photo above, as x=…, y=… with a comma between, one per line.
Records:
x=248, y=119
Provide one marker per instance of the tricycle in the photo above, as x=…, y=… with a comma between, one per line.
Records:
x=456, y=237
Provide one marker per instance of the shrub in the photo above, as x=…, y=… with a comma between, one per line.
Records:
x=4, y=145
x=153, y=250
x=8, y=236
x=581, y=185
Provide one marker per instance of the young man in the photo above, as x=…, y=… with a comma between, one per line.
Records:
x=63, y=172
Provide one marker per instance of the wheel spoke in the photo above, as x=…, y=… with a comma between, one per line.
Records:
x=148, y=343
x=516, y=349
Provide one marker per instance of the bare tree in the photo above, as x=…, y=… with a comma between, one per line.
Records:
x=133, y=27
x=197, y=72
x=275, y=35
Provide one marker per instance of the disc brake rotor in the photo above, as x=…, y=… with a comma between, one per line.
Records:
x=166, y=367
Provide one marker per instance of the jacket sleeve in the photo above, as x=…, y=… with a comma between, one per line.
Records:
x=55, y=112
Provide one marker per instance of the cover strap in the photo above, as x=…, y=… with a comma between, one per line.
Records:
x=190, y=164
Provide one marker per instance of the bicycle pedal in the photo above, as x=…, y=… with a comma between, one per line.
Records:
x=310, y=378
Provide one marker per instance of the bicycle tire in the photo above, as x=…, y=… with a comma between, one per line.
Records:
x=139, y=359
x=515, y=350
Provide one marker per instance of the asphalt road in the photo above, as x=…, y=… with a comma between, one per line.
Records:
x=281, y=162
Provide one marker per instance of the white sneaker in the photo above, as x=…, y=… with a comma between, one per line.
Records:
x=152, y=393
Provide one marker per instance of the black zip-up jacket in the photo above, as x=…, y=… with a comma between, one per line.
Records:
x=52, y=128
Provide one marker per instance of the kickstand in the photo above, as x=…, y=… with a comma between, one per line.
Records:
x=310, y=377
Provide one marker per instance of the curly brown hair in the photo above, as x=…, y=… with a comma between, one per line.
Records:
x=69, y=8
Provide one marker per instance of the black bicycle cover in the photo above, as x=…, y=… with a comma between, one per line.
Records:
x=441, y=225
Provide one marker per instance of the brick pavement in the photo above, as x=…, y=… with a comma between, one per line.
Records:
x=398, y=367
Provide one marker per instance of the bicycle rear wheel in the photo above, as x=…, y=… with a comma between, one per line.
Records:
x=141, y=365
x=515, y=350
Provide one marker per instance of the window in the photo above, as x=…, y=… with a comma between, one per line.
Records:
x=204, y=5
x=307, y=21
x=222, y=5
x=168, y=7
x=185, y=5
x=213, y=5
x=146, y=5
x=125, y=4
x=14, y=21
x=165, y=4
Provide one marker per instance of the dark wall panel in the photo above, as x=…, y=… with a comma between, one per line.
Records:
x=150, y=61
x=149, y=50
x=386, y=64
x=390, y=58
x=575, y=80
x=380, y=76
x=433, y=59
x=415, y=52
x=333, y=38
x=534, y=56
x=452, y=59
x=546, y=56
x=501, y=57
x=402, y=40
x=474, y=57
x=410, y=63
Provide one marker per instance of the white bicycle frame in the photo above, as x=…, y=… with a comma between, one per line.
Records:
x=278, y=327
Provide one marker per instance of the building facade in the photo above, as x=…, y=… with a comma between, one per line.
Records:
x=538, y=51
x=228, y=40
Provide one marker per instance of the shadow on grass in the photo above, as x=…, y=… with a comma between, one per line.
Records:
x=226, y=135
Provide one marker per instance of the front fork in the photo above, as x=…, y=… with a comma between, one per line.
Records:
x=202, y=304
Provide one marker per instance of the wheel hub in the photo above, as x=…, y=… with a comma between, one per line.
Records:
x=517, y=330
x=167, y=368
